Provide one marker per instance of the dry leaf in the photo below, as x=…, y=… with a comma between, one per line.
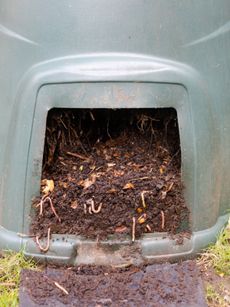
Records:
x=139, y=210
x=49, y=186
x=120, y=229
x=74, y=204
x=88, y=182
x=128, y=185
x=63, y=184
x=163, y=194
x=112, y=191
x=116, y=154
x=142, y=219
x=118, y=173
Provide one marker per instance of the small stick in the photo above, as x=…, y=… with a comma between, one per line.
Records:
x=77, y=156
x=133, y=229
x=93, y=207
x=141, y=178
x=170, y=187
x=61, y=288
x=52, y=208
x=63, y=124
x=92, y=116
x=162, y=219
x=44, y=249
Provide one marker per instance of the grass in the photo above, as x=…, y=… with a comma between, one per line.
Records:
x=214, y=298
x=11, y=265
x=217, y=257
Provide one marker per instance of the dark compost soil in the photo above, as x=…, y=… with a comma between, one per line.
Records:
x=124, y=165
x=155, y=285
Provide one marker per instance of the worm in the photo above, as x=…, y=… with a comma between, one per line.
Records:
x=44, y=249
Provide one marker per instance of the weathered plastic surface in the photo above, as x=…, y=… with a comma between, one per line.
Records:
x=116, y=54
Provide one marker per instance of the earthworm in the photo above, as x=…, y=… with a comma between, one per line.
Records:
x=133, y=229
x=162, y=219
x=44, y=249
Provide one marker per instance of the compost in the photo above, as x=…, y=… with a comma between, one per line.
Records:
x=156, y=285
x=111, y=172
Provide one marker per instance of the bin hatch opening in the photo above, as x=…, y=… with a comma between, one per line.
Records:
x=111, y=173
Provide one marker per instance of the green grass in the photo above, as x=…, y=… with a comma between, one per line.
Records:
x=214, y=298
x=10, y=268
x=217, y=257
x=218, y=254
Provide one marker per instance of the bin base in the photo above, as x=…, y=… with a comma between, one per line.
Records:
x=74, y=250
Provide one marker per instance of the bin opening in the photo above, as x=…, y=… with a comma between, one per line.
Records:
x=110, y=172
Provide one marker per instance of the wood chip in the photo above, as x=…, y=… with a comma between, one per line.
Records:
x=49, y=186
x=128, y=185
x=88, y=182
x=74, y=204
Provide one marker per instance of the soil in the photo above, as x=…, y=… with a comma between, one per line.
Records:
x=126, y=168
x=154, y=285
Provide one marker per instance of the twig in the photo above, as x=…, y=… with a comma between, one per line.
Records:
x=141, y=178
x=63, y=124
x=91, y=115
x=44, y=249
x=133, y=229
x=61, y=288
x=162, y=220
x=77, y=156
x=170, y=187
x=170, y=161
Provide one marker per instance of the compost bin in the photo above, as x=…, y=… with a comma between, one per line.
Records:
x=131, y=61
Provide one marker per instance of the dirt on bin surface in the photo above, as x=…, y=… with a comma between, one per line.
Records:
x=154, y=285
x=111, y=174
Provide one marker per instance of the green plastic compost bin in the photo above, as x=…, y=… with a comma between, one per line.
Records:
x=115, y=54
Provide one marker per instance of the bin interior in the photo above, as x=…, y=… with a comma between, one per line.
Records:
x=111, y=173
